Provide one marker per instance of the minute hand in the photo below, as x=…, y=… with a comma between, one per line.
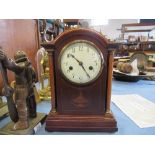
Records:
x=80, y=63
x=85, y=70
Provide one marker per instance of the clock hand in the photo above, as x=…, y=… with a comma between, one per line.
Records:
x=80, y=63
x=85, y=70
x=75, y=58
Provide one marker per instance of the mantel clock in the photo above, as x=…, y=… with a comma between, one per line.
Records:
x=81, y=75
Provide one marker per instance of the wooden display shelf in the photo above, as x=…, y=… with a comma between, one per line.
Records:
x=126, y=47
x=125, y=27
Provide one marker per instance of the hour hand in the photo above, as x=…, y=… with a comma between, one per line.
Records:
x=74, y=58
x=79, y=62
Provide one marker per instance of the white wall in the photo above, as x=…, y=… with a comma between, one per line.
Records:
x=110, y=30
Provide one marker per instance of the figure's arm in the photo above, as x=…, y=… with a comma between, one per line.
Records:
x=9, y=63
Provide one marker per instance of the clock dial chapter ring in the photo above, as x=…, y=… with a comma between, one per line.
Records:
x=81, y=62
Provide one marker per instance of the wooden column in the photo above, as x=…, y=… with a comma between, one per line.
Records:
x=52, y=83
x=50, y=49
x=109, y=79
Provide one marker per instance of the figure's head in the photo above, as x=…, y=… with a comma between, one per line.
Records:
x=20, y=56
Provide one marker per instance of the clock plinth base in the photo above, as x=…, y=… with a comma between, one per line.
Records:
x=93, y=123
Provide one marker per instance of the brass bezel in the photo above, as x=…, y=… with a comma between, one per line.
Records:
x=80, y=41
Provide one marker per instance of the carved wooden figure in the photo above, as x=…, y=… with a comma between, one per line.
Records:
x=25, y=103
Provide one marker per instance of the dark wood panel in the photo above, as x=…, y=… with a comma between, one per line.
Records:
x=19, y=34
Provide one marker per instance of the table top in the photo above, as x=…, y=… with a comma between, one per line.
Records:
x=125, y=125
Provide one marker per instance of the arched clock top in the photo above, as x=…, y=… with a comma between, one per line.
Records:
x=85, y=34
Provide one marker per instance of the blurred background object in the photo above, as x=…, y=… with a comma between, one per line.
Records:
x=50, y=28
x=44, y=89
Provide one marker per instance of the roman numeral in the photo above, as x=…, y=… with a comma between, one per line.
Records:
x=73, y=49
x=80, y=47
x=87, y=49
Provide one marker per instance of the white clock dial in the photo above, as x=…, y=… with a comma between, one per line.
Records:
x=81, y=62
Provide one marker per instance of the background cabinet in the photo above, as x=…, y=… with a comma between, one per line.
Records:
x=20, y=34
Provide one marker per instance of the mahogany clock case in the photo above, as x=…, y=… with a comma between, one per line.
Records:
x=80, y=107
